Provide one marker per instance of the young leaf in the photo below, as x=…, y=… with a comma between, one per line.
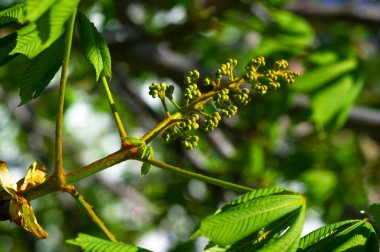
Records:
x=354, y=235
x=95, y=47
x=36, y=8
x=36, y=174
x=40, y=72
x=89, y=243
x=12, y=14
x=231, y=225
x=6, y=179
x=22, y=214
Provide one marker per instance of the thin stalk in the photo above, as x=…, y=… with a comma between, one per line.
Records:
x=189, y=174
x=88, y=208
x=160, y=127
x=58, y=173
x=119, y=124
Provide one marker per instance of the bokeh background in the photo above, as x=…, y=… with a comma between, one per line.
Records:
x=319, y=136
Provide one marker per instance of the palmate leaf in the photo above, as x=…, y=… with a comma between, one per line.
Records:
x=12, y=14
x=231, y=225
x=353, y=235
x=94, y=46
x=89, y=243
x=40, y=72
x=36, y=8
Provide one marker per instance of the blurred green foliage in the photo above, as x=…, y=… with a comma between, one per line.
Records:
x=297, y=137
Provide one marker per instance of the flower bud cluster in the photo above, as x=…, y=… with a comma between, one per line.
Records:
x=211, y=121
x=190, y=142
x=225, y=91
x=241, y=96
x=189, y=123
x=270, y=77
x=191, y=77
x=161, y=90
x=191, y=93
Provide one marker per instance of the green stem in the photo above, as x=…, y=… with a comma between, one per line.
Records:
x=165, y=107
x=87, y=207
x=58, y=173
x=116, y=116
x=189, y=174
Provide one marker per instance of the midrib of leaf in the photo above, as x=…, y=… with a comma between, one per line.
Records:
x=59, y=14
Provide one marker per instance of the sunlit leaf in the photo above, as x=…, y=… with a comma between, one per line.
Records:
x=89, y=243
x=29, y=41
x=40, y=72
x=36, y=174
x=59, y=14
x=12, y=14
x=94, y=46
x=235, y=223
x=352, y=235
x=36, y=8
x=255, y=194
x=289, y=240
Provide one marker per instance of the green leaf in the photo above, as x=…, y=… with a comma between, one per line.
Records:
x=29, y=42
x=255, y=194
x=36, y=37
x=59, y=14
x=36, y=8
x=40, y=72
x=12, y=14
x=235, y=223
x=289, y=241
x=269, y=234
x=89, y=243
x=94, y=46
x=352, y=235
x=334, y=102
x=319, y=77
x=324, y=232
